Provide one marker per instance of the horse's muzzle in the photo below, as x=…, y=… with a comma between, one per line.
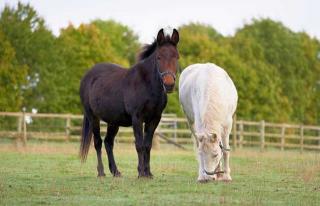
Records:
x=169, y=88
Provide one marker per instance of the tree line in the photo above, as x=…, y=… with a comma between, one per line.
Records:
x=276, y=71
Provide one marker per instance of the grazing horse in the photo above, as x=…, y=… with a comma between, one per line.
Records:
x=129, y=97
x=209, y=100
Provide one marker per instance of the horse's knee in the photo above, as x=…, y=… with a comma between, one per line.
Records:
x=139, y=148
x=148, y=147
x=226, y=153
x=148, y=144
x=108, y=143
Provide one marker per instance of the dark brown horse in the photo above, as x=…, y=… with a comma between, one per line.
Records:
x=129, y=97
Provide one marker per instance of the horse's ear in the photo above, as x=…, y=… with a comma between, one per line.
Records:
x=160, y=37
x=175, y=37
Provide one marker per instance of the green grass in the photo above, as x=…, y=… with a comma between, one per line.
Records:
x=51, y=174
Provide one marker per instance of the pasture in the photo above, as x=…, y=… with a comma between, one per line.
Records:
x=50, y=173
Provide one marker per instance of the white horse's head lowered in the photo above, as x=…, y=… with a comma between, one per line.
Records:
x=209, y=153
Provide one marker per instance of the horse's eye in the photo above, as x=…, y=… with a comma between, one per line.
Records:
x=214, y=155
x=158, y=57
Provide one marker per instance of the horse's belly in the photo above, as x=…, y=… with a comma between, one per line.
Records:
x=121, y=119
x=112, y=113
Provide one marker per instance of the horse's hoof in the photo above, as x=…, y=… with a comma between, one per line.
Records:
x=101, y=175
x=117, y=174
x=149, y=175
x=146, y=176
x=225, y=179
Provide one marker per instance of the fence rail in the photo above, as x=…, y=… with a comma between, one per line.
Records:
x=67, y=127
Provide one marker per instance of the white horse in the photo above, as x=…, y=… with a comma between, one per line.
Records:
x=209, y=100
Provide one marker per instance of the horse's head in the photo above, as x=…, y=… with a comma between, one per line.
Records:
x=210, y=153
x=167, y=58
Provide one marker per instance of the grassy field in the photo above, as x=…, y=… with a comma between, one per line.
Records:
x=51, y=174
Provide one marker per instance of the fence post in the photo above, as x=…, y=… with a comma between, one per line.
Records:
x=68, y=125
x=301, y=137
x=262, y=135
x=19, y=124
x=241, y=135
x=319, y=138
x=19, y=129
x=283, y=131
x=175, y=129
x=24, y=139
x=234, y=132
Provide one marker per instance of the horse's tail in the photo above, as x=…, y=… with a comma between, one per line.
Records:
x=86, y=137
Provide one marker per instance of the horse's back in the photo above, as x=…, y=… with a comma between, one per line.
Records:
x=105, y=70
x=104, y=74
x=207, y=90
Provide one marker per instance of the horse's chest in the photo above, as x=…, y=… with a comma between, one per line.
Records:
x=153, y=107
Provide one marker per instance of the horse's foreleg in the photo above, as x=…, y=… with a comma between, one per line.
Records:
x=98, y=145
x=226, y=153
x=149, y=129
x=108, y=143
x=138, y=134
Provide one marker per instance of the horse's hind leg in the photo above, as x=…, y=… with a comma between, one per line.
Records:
x=98, y=145
x=108, y=143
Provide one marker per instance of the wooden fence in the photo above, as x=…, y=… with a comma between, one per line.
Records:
x=265, y=134
x=67, y=127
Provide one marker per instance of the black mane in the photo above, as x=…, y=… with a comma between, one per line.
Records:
x=148, y=49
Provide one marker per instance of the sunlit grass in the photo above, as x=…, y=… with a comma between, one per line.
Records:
x=51, y=173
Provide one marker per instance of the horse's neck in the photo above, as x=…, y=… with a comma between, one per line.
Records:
x=149, y=67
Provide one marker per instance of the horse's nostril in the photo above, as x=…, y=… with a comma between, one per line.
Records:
x=169, y=88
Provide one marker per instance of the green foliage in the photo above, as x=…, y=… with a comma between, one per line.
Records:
x=122, y=39
x=34, y=46
x=12, y=77
x=275, y=70
x=290, y=71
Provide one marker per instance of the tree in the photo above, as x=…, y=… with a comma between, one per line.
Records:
x=34, y=46
x=122, y=39
x=12, y=77
x=290, y=62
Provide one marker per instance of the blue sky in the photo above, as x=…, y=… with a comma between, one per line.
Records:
x=146, y=17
